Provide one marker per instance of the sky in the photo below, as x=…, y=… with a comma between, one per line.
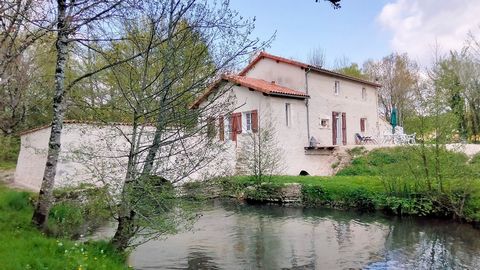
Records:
x=363, y=29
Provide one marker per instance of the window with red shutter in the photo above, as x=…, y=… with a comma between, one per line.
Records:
x=255, y=121
x=233, y=130
x=344, y=128
x=236, y=121
x=239, y=122
x=362, y=124
x=334, y=128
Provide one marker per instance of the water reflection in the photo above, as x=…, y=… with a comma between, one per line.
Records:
x=240, y=236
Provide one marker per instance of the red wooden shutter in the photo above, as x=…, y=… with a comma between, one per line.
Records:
x=255, y=121
x=221, y=128
x=233, y=131
x=344, y=128
x=362, y=124
x=236, y=125
x=239, y=122
x=334, y=128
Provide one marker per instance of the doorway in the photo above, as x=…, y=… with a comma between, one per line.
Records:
x=339, y=128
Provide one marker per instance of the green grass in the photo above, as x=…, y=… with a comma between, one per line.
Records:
x=337, y=185
x=398, y=180
x=24, y=247
x=7, y=165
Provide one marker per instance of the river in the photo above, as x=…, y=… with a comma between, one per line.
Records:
x=242, y=236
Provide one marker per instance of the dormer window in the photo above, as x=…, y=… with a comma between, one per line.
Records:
x=337, y=88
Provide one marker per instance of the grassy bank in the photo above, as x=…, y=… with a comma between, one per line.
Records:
x=401, y=181
x=24, y=247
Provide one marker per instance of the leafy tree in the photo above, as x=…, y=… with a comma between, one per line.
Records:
x=447, y=81
x=353, y=70
x=398, y=75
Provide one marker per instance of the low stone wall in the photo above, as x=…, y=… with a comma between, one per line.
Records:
x=266, y=192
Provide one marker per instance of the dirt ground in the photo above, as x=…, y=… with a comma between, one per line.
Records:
x=7, y=177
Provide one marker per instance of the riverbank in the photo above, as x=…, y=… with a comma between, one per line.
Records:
x=24, y=247
x=352, y=193
x=399, y=181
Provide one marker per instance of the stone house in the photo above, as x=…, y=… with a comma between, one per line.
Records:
x=315, y=114
x=314, y=111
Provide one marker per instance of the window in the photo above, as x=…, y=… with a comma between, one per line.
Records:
x=337, y=88
x=364, y=93
x=324, y=123
x=288, y=116
x=248, y=121
x=228, y=128
x=363, y=124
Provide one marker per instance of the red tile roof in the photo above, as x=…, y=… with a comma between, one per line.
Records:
x=262, y=55
x=263, y=86
x=269, y=88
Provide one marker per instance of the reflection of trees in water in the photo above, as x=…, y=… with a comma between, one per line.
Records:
x=261, y=238
x=430, y=244
x=342, y=232
x=198, y=260
x=419, y=243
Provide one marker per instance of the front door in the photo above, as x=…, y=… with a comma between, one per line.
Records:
x=339, y=127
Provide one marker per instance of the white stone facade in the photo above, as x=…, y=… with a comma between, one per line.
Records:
x=310, y=117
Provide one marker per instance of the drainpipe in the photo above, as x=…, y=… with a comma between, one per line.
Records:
x=307, y=70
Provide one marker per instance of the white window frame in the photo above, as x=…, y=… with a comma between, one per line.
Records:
x=336, y=90
x=288, y=114
x=247, y=121
x=227, y=128
x=364, y=93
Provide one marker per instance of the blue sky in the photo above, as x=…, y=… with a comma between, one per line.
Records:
x=302, y=25
x=362, y=29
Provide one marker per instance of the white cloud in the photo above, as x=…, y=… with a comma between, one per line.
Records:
x=418, y=25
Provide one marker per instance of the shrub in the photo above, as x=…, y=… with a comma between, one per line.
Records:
x=79, y=210
x=66, y=219
x=314, y=195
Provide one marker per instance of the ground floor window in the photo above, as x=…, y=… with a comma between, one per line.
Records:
x=363, y=124
x=248, y=121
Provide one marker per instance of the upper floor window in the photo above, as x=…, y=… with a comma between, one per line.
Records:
x=337, y=88
x=364, y=93
x=288, y=116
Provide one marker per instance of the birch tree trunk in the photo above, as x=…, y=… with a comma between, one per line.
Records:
x=40, y=215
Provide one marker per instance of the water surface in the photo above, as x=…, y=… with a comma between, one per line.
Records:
x=242, y=236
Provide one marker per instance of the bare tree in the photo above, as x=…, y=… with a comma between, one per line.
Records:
x=182, y=45
x=259, y=154
x=316, y=57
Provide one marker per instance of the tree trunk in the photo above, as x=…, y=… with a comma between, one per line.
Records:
x=125, y=231
x=45, y=199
